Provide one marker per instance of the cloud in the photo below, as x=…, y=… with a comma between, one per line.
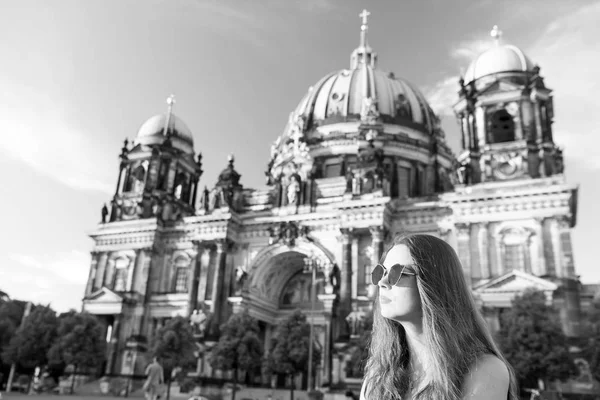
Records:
x=37, y=132
x=72, y=266
x=58, y=279
x=253, y=22
x=443, y=95
x=567, y=53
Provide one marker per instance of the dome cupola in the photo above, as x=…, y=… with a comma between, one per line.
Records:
x=500, y=59
x=363, y=129
x=157, y=129
x=364, y=93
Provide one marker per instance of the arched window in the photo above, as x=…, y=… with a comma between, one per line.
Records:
x=163, y=172
x=140, y=177
x=179, y=185
x=502, y=127
x=515, y=248
x=121, y=271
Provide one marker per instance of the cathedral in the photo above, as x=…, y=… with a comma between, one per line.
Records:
x=362, y=158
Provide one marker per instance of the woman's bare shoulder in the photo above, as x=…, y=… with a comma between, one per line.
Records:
x=488, y=378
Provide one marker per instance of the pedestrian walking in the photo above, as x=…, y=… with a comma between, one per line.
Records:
x=154, y=380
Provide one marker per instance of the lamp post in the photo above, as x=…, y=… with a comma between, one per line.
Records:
x=311, y=264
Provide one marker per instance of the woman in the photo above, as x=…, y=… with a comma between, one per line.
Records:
x=429, y=341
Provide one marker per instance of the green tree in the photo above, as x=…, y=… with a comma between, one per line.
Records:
x=239, y=347
x=4, y=296
x=591, y=346
x=11, y=314
x=29, y=346
x=288, y=353
x=80, y=343
x=533, y=342
x=174, y=344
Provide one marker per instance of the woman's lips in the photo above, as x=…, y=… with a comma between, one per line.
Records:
x=384, y=300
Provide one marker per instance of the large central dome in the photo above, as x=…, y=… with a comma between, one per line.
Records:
x=341, y=96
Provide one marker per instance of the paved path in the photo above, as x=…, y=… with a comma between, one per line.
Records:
x=20, y=396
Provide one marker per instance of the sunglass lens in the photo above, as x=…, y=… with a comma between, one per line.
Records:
x=377, y=274
x=395, y=274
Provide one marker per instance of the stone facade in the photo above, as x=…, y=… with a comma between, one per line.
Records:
x=340, y=185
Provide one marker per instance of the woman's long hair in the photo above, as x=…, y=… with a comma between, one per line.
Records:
x=454, y=330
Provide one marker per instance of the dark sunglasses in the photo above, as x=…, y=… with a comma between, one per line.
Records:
x=394, y=274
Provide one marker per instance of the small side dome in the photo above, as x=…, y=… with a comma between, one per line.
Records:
x=498, y=59
x=506, y=58
x=153, y=132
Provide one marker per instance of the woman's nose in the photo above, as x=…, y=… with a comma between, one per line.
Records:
x=384, y=282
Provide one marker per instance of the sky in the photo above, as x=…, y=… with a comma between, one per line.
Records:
x=78, y=77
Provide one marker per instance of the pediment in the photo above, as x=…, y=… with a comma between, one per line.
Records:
x=105, y=295
x=515, y=281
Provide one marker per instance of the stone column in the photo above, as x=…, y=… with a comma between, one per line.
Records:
x=479, y=121
x=345, y=303
x=119, y=188
x=493, y=249
x=549, y=228
x=463, y=133
x=89, y=288
x=566, y=251
x=203, y=273
x=132, y=271
x=101, y=271
x=194, y=279
x=218, y=303
x=113, y=345
x=164, y=280
x=377, y=234
x=538, y=121
x=463, y=249
x=109, y=272
x=482, y=242
x=354, y=263
x=328, y=300
x=475, y=252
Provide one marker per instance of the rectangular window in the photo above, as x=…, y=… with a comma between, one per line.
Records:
x=120, y=279
x=403, y=182
x=333, y=170
x=181, y=280
x=514, y=257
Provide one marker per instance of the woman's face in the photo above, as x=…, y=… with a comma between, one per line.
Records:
x=400, y=302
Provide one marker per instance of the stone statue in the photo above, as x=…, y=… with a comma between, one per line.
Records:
x=199, y=320
x=369, y=113
x=356, y=321
x=240, y=279
x=104, y=213
x=293, y=191
x=356, y=184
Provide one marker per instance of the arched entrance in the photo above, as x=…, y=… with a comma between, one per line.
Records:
x=278, y=285
x=274, y=266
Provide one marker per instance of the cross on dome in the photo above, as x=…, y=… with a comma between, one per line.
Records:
x=496, y=33
x=170, y=102
x=364, y=27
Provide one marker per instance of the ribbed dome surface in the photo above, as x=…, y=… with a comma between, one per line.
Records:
x=152, y=132
x=505, y=58
x=339, y=96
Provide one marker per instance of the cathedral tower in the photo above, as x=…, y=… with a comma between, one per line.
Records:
x=513, y=208
x=505, y=113
x=158, y=176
